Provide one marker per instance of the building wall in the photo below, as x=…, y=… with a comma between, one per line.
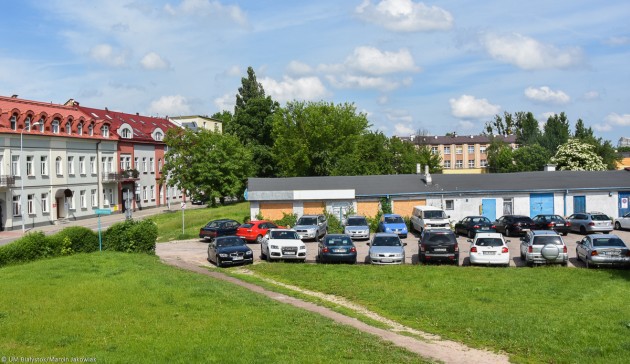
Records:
x=404, y=207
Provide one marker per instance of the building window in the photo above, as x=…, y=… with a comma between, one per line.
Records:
x=70, y=202
x=55, y=126
x=459, y=150
x=43, y=163
x=94, y=199
x=30, y=171
x=159, y=136
x=471, y=149
x=483, y=163
x=126, y=133
x=110, y=164
x=44, y=203
x=135, y=163
x=152, y=192
x=82, y=165
x=450, y=204
x=30, y=204
x=447, y=150
x=111, y=196
x=151, y=165
x=15, y=165
x=160, y=165
x=434, y=150
x=471, y=163
x=93, y=165
x=83, y=200
x=27, y=123
x=17, y=211
x=14, y=121
x=41, y=124
x=137, y=195
x=103, y=164
x=482, y=149
x=144, y=164
x=80, y=129
x=91, y=130
x=447, y=164
x=507, y=206
x=70, y=165
x=69, y=127
x=58, y=167
x=105, y=131
x=459, y=164
x=144, y=193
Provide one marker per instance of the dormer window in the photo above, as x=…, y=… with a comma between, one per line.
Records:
x=55, y=126
x=105, y=131
x=14, y=121
x=80, y=129
x=27, y=123
x=159, y=136
x=69, y=127
x=41, y=124
x=126, y=133
x=91, y=130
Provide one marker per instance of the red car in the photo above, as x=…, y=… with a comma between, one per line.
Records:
x=253, y=231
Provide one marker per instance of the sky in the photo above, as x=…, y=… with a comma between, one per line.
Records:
x=439, y=66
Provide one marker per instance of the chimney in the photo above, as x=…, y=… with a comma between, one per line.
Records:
x=106, y=109
x=418, y=168
x=427, y=177
x=550, y=168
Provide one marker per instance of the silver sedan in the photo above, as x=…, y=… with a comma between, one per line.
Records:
x=386, y=248
x=602, y=249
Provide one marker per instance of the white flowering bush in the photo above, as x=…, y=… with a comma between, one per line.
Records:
x=575, y=155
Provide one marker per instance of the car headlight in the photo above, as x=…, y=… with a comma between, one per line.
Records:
x=223, y=255
x=273, y=246
x=303, y=247
x=388, y=230
x=249, y=252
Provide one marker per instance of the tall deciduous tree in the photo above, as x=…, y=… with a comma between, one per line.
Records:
x=575, y=155
x=528, y=130
x=530, y=158
x=556, y=132
x=205, y=163
x=603, y=148
x=500, y=157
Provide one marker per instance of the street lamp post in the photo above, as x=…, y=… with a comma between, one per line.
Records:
x=22, y=174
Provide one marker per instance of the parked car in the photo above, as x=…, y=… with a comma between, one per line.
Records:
x=216, y=228
x=490, y=249
x=229, y=250
x=556, y=223
x=254, y=231
x=393, y=223
x=429, y=217
x=199, y=200
x=623, y=222
x=282, y=244
x=386, y=248
x=311, y=226
x=514, y=224
x=438, y=245
x=471, y=225
x=336, y=248
x=357, y=227
x=590, y=222
x=543, y=247
x=603, y=249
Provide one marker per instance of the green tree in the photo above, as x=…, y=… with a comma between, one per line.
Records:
x=505, y=125
x=603, y=148
x=530, y=158
x=575, y=155
x=206, y=163
x=500, y=157
x=226, y=119
x=556, y=132
x=369, y=156
x=527, y=129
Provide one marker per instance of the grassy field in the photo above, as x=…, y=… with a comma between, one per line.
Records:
x=118, y=307
x=547, y=314
x=170, y=224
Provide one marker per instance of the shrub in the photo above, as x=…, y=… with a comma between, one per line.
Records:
x=82, y=239
x=373, y=221
x=131, y=236
x=334, y=225
x=287, y=220
x=32, y=246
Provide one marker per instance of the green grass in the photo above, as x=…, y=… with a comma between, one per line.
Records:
x=170, y=224
x=546, y=314
x=118, y=307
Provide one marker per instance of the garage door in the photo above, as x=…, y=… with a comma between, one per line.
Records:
x=367, y=208
x=275, y=210
x=540, y=203
x=313, y=207
x=405, y=207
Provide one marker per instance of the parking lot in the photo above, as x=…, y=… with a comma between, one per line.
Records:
x=195, y=251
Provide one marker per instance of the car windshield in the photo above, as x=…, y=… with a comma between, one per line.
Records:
x=544, y=240
x=599, y=217
x=438, y=239
x=434, y=215
x=393, y=220
x=307, y=221
x=279, y=234
x=386, y=241
x=212, y=224
x=338, y=241
x=489, y=242
x=480, y=220
x=357, y=221
x=609, y=242
x=230, y=241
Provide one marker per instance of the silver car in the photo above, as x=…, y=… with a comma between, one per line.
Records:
x=386, y=248
x=590, y=222
x=623, y=222
x=602, y=249
x=311, y=226
x=357, y=227
x=543, y=247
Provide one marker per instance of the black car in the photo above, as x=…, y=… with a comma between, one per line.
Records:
x=216, y=228
x=552, y=222
x=471, y=225
x=510, y=225
x=336, y=248
x=229, y=250
x=438, y=245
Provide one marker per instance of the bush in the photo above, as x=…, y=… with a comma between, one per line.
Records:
x=131, y=236
x=82, y=239
x=287, y=220
x=32, y=246
x=334, y=225
x=373, y=221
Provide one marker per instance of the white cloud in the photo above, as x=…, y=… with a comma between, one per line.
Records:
x=469, y=107
x=602, y=127
x=546, y=95
x=528, y=53
x=363, y=82
x=225, y=102
x=616, y=119
x=105, y=53
x=373, y=61
x=591, y=95
x=545, y=116
x=305, y=88
x=466, y=125
x=405, y=15
x=207, y=8
x=383, y=99
x=170, y=105
x=618, y=41
x=298, y=68
x=403, y=129
x=153, y=61
x=233, y=71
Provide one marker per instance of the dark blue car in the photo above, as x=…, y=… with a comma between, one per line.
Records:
x=229, y=250
x=336, y=248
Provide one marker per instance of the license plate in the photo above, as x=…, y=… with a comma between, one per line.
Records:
x=386, y=260
x=237, y=258
x=339, y=250
x=559, y=224
x=289, y=253
x=439, y=249
x=488, y=253
x=611, y=253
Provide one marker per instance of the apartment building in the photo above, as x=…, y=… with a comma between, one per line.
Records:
x=195, y=122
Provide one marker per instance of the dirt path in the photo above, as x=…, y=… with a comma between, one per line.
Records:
x=426, y=345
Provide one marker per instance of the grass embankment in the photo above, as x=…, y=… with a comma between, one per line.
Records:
x=118, y=307
x=170, y=224
x=549, y=314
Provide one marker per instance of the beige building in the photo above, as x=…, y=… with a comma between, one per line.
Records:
x=195, y=122
x=460, y=153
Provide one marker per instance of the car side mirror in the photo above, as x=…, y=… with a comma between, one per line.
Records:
x=404, y=244
x=448, y=216
x=507, y=241
x=469, y=240
x=368, y=244
x=578, y=242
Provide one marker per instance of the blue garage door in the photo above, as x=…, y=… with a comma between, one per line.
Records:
x=579, y=204
x=624, y=203
x=489, y=208
x=540, y=203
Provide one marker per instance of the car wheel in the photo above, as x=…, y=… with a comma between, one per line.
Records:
x=470, y=234
x=565, y=234
x=507, y=232
x=582, y=230
x=259, y=239
x=303, y=260
x=587, y=264
x=577, y=256
x=218, y=262
x=617, y=225
x=522, y=256
x=263, y=256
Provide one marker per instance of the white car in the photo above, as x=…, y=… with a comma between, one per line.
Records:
x=623, y=222
x=282, y=244
x=489, y=249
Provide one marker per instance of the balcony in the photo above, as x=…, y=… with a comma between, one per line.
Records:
x=7, y=181
x=111, y=177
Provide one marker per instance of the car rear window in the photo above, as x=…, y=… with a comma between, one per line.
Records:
x=544, y=240
x=599, y=217
x=608, y=242
x=338, y=241
x=247, y=226
x=439, y=239
x=489, y=242
x=522, y=219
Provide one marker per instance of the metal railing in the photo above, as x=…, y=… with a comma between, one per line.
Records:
x=7, y=181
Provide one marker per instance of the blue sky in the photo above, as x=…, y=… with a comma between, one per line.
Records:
x=442, y=66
